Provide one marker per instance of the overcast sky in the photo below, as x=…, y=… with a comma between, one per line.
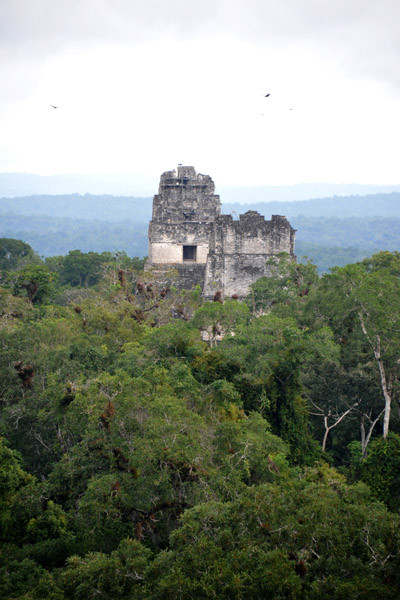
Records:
x=142, y=85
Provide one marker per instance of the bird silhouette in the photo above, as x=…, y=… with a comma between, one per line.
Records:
x=266, y=95
x=53, y=106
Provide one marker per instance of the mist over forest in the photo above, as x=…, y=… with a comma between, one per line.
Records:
x=136, y=184
x=330, y=231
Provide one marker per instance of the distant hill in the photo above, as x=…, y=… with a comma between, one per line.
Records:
x=76, y=206
x=330, y=231
x=372, y=205
x=134, y=184
x=53, y=236
x=28, y=184
x=367, y=232
x=120, y=208
x=298, y=192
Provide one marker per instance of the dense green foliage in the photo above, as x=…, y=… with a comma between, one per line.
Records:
x=14, y=254
x=155, y=446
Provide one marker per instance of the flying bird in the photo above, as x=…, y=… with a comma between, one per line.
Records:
x=53, y=106
x=266, y=95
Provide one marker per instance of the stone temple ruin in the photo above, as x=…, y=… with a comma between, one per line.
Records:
x=188, y=234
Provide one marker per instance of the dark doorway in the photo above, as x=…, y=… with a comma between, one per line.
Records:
x=189, y=252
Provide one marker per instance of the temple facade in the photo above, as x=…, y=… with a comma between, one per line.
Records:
x=189, y=235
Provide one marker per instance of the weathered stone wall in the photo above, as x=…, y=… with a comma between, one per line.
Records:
x=183, y=276
x=171, y=254
x=185, y=195
x=167, y=240
x=229, y=255
x=190, y=275
x=239, y=251
x=184, y=211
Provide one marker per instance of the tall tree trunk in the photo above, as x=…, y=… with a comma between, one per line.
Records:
x=327, y=430
x=388, y=401
x=366, y=438
x=386, y=394
x=329, y=427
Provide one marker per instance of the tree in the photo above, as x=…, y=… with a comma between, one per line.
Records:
x=288, y=285
x=34, y=281
x=119, y=575
x=34, y=533
x=143, y=463
x=271, y=353
x=381, y=470
x=362, y=305
x=389, y=261
x=330, y=420
x=304, y=537
x=216, y=320
x=12, y=310
x=15, y=254
x=80, y=269
x=344, y=403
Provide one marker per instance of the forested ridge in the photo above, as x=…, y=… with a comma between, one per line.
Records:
x=330, y=231
x=156, y=446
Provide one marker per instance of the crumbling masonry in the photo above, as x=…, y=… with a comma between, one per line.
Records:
x=187, y=233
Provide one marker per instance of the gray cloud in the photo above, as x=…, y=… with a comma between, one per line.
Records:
x=44, y=25
x=361, y=35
